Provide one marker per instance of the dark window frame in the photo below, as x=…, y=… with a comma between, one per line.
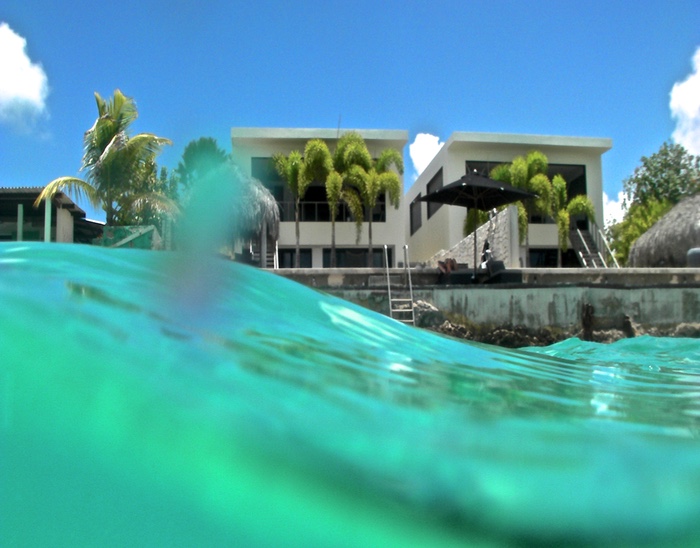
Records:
x=435, y=184
x=415, y=219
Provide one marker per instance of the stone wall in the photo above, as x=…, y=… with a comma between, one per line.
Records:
x=502, y=238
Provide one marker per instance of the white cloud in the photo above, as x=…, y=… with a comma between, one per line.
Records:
x=422, y=150
x=23, y=84
x=685, y=108
x=612, y=209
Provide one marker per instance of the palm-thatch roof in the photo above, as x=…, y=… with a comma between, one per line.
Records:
x=255, y=208
x=667, y=242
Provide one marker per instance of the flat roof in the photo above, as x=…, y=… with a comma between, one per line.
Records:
x=27, y=194
x=244, y=133
x=599, y=144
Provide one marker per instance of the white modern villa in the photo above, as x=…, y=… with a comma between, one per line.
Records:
x=253, y=149
x=426, y=228
x=430, y=228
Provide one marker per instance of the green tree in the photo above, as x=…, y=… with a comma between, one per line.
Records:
x=208, y=173
x=670, y=174
x=366, y=179
x=637, y=220
x=290, y=169
x=137, y=211
x=116, y=164
x=656, y=185
x=199, y=158
x=564, y=208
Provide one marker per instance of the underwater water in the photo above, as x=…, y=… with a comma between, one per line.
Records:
x=153, y=399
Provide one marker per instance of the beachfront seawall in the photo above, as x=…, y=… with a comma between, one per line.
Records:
x=658, y=299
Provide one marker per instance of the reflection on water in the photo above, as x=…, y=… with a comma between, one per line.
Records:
x=275, y=413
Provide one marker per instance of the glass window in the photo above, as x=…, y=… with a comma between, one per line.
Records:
x=353, y=257
x=415, y=214
x=286, y=258
x=434, y=185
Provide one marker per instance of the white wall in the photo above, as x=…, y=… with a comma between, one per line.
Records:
x=64, y=226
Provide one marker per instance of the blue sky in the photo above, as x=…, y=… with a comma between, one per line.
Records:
x=587, y=68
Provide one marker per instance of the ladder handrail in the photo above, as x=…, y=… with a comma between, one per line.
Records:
x=403, y=301
x=407, y=266
x=600, y=255
x=588, y=251
x=388, y=279
x=605, y=241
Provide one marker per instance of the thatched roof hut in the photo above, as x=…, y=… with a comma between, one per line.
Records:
x=666, y=244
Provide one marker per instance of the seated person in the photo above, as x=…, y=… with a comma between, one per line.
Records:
x=446, y=266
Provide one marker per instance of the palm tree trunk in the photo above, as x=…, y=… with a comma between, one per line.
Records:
x=297, y=261
x=333, y=259
x=527, y=237
x=369, y=233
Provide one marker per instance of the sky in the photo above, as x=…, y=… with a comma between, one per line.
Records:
x=629, y=71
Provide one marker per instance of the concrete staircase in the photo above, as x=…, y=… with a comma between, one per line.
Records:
x=586, y=249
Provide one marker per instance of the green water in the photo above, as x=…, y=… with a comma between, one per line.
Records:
x=149, y=399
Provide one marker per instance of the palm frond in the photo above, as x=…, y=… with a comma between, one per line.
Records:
x=523, y=222
x=537, y=164
x=71, y=185
x=389, y=157
x=501, y=173
x=352, y=198
x=351, y=150
x=563, y=222
x=559, y=194
x=581, y=205
x=334, y=189
x=518, y=173
x=540, y=185
x=391, y=183
x=317, y=161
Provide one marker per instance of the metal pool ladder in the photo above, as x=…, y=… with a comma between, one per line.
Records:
x=400, y=304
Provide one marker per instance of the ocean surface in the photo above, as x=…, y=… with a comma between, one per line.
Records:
x=163, y=399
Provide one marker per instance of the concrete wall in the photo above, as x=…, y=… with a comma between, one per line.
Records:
x=559, y=307
x=659, y=298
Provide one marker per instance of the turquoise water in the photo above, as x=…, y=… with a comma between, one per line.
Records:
x=155, y=399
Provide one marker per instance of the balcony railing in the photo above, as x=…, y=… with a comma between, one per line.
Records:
x=320, y=212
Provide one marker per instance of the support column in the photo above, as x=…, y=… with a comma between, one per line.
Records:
x=47, y=220
x=20, y=222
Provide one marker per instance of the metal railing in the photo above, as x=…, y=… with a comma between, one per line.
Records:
x=400, y=308
x=601, y=248
x=320, y=212
x=602, y=243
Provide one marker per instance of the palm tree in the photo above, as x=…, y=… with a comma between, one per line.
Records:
x=334, y=195
x=529, y=173
x=113, y=161
x=290, y=169
x=351, y=160
x=256, y=210
x=369, y=180
x=563, y=209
